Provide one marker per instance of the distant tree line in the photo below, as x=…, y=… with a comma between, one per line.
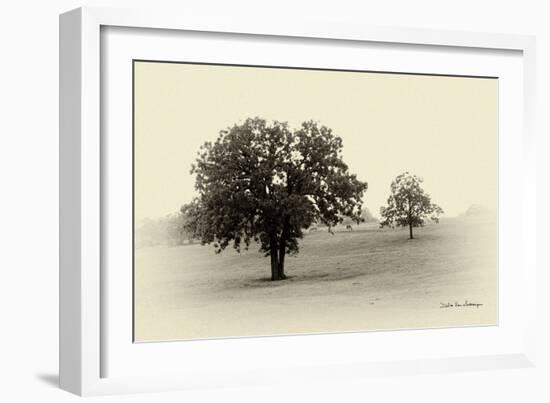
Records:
x=365, y=217
x=169, y=231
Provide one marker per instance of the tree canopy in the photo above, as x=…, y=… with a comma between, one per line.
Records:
x=408, y=204
x=263, y=182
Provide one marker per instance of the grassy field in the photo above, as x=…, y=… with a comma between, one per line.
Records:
x=365, y=279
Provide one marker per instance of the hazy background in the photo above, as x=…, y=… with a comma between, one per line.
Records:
x=441, y=128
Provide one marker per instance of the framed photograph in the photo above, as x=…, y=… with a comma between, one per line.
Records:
x=249, y=202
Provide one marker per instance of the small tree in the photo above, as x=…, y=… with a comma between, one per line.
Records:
x=408, y=204
x=266, y=183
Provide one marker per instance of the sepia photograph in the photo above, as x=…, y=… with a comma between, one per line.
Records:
x=271, y=200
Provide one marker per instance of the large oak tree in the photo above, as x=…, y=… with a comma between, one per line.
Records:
x=408, y=204
x=263, y=182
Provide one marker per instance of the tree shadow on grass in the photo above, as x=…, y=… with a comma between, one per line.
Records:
x=314, y=276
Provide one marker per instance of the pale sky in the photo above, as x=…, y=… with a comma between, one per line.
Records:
x=444, y=129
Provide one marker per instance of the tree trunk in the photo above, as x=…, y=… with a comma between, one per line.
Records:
x=409, y=218
x=281, y=267
x=274, y=260
x=274, y=266
x=282, y=248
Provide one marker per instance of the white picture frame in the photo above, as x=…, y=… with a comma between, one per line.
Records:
x=83, y=309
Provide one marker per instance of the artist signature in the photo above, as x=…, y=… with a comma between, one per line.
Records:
x=457, y=304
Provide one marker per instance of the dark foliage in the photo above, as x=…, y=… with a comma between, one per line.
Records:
x=408, y=204
x=263, y=182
